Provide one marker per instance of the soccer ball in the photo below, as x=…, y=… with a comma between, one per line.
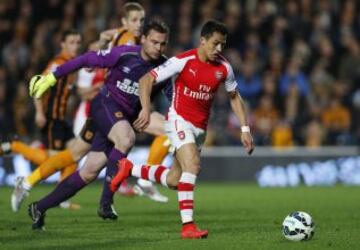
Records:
x=298, y=226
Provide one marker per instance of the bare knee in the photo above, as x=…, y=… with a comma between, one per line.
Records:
x=122, y=135
x=125, y=143
x=79, y=148
x=92, y=167
x=189, y=158
x=88, y=174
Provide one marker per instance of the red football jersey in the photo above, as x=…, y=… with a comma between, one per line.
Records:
x=195, y=84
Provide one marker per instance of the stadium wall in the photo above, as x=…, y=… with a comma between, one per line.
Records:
x=268, y=166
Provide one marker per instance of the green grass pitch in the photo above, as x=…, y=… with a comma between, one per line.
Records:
x=238, y=216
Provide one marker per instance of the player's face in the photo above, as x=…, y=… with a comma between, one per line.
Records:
x=71, y=45
x=134, y=22
x=154, y=44
x=214, y=45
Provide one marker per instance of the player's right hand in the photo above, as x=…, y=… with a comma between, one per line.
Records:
x=40, y=119
x=142, y=121
x=39, y=84
x=248, y=142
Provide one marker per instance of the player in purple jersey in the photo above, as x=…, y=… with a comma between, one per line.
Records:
x=113, y=110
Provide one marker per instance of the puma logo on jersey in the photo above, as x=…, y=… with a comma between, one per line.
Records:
x=193, y=71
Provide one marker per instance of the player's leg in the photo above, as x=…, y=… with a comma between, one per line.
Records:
x=155, y=173
x=189, y=159
x=187, y=141
x=35, y=155
x=114, y=126
x=22, y=185
x=66, y=135
x=66, y=172
x=160, y=146
x=157, y=153
x=123, y=137
x=76, y=149
x=67, y=188
x=159, y=149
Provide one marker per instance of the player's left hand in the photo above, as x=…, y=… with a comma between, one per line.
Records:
x=39, y=84
x=248, y=142
x=142, y=121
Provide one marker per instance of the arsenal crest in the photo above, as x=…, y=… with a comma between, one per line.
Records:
x=218, y=74
x=181, y=135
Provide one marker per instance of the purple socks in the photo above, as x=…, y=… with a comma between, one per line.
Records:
x=111, y=169
x=63, y=191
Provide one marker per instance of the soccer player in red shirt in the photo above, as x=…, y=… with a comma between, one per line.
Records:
x=197, y=75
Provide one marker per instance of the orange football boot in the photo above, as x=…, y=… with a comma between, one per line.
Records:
x=190, y=231
x=123, y=172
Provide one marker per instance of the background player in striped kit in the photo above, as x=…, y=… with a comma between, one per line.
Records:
x=56, y=133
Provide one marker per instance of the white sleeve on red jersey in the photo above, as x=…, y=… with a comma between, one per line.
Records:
x=230, y=82
x=85, y=78
x=171, y=67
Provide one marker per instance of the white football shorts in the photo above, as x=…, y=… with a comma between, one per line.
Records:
x=181, y=132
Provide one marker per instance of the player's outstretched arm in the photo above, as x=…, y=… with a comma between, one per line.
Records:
x=238, y=107
x=145, y=87
x=101, y=59
x=40, y=83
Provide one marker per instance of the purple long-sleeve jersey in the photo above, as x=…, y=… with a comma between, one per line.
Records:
x=126, y=67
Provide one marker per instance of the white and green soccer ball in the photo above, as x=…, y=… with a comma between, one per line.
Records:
x=298, y=226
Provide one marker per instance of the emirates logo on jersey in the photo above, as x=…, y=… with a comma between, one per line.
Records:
x=218, y=75
x=203, y=94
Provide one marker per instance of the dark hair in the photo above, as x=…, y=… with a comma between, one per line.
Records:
x=67, y=33
x=212, y=26
x=156, y=25
x=131, y=6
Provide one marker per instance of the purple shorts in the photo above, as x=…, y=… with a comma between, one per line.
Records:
x=101, y=143
x=105, y=112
